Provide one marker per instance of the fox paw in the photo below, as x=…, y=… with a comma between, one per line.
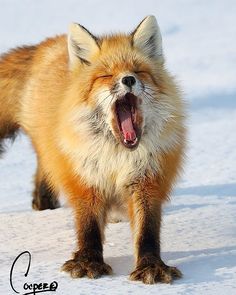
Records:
x=80, y=267
x=156, y=272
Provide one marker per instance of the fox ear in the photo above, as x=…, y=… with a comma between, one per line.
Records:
x=147, y=37
x=81, y=44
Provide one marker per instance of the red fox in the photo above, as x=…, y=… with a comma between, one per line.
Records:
x=106, y=121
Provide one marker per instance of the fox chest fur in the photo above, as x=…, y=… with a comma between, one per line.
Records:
x=111, y=170
x=104, y=164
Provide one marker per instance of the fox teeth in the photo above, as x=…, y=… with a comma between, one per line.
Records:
x=133, y=142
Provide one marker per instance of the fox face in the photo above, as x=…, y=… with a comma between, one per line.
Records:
x=121, y=81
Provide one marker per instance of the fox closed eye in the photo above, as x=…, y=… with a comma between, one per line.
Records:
x=146, y=73
x=105, y=76
x=140, y=72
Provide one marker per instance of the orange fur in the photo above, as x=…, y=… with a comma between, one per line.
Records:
x=52, y=101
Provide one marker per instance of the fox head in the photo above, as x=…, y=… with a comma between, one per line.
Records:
x=120, y=85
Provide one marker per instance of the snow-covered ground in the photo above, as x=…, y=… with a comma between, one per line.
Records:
x=199, y=231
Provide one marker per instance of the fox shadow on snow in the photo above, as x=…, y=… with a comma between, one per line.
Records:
x=198, y=266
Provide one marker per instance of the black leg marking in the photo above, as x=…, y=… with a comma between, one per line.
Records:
x=88, y=261
x=44, y=198
x=150, y=268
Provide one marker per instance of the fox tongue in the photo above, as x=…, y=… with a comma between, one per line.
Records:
x=126, y=123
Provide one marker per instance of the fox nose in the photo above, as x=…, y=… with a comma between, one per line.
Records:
x=128, y=81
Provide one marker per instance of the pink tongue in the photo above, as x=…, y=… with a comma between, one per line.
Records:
x=126, y=123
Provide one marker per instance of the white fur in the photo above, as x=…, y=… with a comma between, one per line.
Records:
x=87, y=44
x=103, y=162
x=97, y=159
x=146, y=31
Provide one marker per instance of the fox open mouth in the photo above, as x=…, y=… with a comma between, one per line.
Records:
x=126, y=113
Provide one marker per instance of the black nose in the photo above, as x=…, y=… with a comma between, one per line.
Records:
x=128, y=80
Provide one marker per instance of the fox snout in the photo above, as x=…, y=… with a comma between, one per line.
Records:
x=128, y=81
x=122, y=108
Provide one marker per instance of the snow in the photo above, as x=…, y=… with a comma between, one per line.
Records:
x=199, y=232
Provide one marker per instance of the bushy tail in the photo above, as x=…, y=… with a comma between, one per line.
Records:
x=14, y=71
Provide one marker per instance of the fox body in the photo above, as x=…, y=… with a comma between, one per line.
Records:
x=107, y=123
